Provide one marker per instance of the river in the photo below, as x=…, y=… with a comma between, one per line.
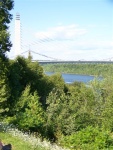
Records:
x=70, y=78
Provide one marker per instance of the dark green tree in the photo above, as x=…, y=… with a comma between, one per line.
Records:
x=23, y=73
x=5, y=45
x=5, y=18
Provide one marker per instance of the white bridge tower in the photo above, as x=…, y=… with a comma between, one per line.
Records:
x=17, y=35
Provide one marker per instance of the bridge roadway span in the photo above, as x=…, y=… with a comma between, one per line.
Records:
x=72, y=62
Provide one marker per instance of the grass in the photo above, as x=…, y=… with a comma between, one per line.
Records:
x=24, y=141
x=17, y=143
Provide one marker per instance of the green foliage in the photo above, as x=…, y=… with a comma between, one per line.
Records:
x=57, y=82
x=17, y=81
x=47, y=105
x=23, y=73
x=5, y=45
x=5, y=18
x=71, y=111
x=107, y=94
x=4, y=87
x=4, y=95
x=88, y=138
x=103, y=92
x=30, y=113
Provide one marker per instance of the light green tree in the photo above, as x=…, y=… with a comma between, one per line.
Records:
x=4, y=88
x=30, y=113
x=70, y=112
x=107, y=113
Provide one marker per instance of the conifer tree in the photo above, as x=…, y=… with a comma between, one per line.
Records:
x=30, y=113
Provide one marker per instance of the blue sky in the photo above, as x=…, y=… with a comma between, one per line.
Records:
x=65, y=29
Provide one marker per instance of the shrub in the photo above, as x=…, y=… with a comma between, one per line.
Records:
x=88, y=138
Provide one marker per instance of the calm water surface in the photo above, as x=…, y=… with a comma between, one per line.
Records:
x=69, y=78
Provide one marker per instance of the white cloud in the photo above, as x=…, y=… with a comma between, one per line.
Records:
x=74, y=50
x=69, y=42
x=61, y=32
x=93, y=45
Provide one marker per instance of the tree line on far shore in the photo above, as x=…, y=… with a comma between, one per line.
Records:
x=86, y=69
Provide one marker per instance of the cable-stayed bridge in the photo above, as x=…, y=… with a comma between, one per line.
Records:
x=49, y=44
x=51, y=60
x=42, y=45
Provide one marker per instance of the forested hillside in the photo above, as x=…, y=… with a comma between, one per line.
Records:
x=70, y=114
x=87, y=69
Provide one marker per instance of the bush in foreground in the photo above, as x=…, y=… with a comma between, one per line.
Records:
x=88, y=138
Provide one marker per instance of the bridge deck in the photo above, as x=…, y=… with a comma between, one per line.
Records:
x=72, y=62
